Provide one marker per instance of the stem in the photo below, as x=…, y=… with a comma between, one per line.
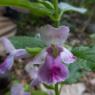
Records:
x=60, y=15
x=56, y=89
x=56, y=15
x=55, y=2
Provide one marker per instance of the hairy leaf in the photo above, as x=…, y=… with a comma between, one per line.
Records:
x=34, y=7
x=87, y=54
x=24, y=42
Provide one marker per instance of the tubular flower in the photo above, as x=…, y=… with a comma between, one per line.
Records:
x=53, y=59
x=7, y=63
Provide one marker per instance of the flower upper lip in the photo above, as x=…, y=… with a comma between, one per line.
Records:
x=54, y=35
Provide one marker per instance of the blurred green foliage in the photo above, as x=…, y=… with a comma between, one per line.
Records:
x=85, y=63
x=38, y=92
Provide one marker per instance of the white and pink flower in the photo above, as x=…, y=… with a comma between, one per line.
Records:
x=53, y=59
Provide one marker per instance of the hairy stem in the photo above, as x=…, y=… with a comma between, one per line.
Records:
x=56, y=89
x=56, y=14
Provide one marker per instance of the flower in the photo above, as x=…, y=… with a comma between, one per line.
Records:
x=7, y=64
x=18, y=89
x=53, y=59
x=53, y=70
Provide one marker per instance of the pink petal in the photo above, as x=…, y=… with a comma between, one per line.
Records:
x=50, y=34
x=7, y=44
x=33, y=73
x=7, y=64
x=20, y=53
x=39, y=59
x=17, y=89
x=31, y=70
x=67, y=56
x=27, y=93
x=52, y=71
x=35, y=82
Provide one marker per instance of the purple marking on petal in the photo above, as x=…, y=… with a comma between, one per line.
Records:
x=7, y=44
x=67, y=56
x=53, y=71
x=54, y=50
x=7, y=64
x=50, y=34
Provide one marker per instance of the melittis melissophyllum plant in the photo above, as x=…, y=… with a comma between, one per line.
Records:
x=53, y=61
x=53, y=9
x=13, y=54
x=50, y=66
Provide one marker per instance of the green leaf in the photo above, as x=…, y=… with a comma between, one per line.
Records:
x=87, y=54
x=47, y=4
x=39, y=9
x=85, y=62
x=67, y=7
x=26, y=88
x=34, y=7
x=76, y=71
x=25, y=41
x=15, y=81
x=8, y=93
x=38, y=92
x=34, y=51
x=49, y=86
